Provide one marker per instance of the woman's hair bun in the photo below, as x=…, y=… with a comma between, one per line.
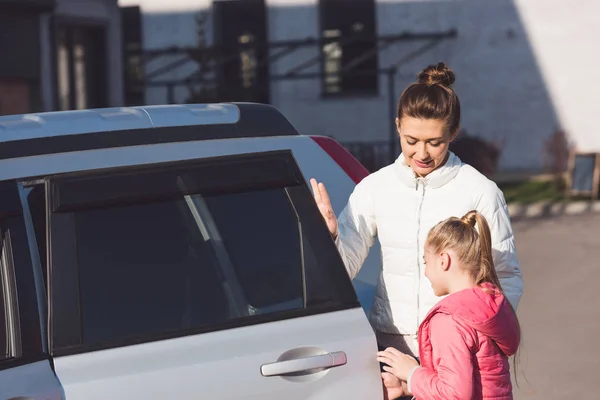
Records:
x=437, y=74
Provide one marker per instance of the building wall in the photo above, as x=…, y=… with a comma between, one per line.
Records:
x=19, y=69
x=563, y=36
x=503, y=95
x=172, y=28
x=517, y=62
x=29, y=80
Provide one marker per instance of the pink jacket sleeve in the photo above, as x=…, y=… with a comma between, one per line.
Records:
x=453, y=379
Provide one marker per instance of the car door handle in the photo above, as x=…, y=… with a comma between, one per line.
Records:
x=304, y=364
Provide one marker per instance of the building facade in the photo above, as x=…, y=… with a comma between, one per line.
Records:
x=60, y=55
x=20, y=45
x=503, y=54
x=85, y=67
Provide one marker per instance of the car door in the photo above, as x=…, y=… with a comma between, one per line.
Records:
x=209, y=279
x=25, y=369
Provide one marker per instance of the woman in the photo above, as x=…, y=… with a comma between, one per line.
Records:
x=400, y=203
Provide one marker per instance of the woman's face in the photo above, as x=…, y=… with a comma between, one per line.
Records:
x=424, y=143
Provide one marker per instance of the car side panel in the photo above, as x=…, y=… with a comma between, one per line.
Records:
x=227, y=364
x=30, y=381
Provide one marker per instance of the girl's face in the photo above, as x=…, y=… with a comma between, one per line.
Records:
x=436, y=270
x=424, y=143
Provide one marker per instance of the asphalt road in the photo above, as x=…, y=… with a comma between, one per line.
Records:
x=560, y=309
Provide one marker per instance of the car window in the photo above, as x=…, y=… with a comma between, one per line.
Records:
x=151, y=252
x=4, y=327
x=11, y=334
x=186, y=263
x=22, y=305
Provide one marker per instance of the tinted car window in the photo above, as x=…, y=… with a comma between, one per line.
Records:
x=4, y=347
x=21, y=299
x=185, y=263
x=152, y=252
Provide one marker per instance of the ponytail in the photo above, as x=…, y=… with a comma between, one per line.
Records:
x=470, y=237
x=487, y=270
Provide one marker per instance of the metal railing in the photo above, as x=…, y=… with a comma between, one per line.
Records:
x=373, y=155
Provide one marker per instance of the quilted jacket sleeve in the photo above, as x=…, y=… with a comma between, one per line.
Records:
x=453, y=379
x=357, y=228
x=494, y=208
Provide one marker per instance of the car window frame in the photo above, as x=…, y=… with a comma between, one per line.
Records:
x=327, y=289
x=18, y=283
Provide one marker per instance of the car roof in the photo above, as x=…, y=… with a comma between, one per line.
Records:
x=60, y=131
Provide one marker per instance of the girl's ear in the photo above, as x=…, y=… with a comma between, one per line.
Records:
x=445, y=260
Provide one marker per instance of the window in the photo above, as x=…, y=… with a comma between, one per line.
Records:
x=133, y=66
x=5, y=352
x=20, y=327
x=10, y=338
x=240, y=32
x=10, y=333
x=186, y=263
x=81, y=67
x=350, y=60
x=189, y=249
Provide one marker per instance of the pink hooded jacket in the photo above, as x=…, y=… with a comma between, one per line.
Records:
x=464, y=344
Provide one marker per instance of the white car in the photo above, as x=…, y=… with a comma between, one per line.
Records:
x=176, y=252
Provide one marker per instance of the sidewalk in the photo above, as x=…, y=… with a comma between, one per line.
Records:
x=550, y=209
x=544, y=209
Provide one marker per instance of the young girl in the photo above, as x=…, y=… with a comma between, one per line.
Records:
x=466, y=339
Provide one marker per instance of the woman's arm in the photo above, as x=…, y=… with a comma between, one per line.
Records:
x=357, y=228
x=453, y=379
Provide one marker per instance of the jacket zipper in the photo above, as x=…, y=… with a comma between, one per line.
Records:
x=419, y=180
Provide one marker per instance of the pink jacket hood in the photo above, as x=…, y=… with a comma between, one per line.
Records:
x=486, y=310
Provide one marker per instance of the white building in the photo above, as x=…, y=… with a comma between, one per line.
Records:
x=524, y=67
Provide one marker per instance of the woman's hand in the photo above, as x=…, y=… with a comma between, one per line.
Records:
x=324, y=204
x=397, y=363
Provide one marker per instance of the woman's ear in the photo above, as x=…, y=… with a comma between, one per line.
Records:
x=455, y=134
x=398, y=124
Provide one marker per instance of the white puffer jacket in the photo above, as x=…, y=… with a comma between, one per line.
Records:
x=401, y=209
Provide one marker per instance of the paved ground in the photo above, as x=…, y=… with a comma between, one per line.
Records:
x=560, y=309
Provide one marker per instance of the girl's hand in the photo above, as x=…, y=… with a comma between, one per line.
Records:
x=397, y=363
x=393, y=387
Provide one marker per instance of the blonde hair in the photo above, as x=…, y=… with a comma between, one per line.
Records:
x=470, y=238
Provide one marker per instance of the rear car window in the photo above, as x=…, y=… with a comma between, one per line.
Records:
x=186, y=263
x=166, y=251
